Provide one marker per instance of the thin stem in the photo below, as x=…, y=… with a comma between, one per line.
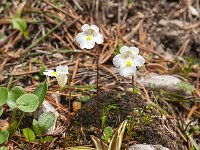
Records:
x=13, y=116
x=133, y=86
x=132, y=112
x=97, y=96
x=20, y=120
x=132, y=104
x=23, y=113
x=97, y=101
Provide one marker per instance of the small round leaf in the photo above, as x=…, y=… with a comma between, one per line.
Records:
x=29, y=134
x=36, y=127
x=46, y=120
x=27, y=102
x=47, y=138
x=3, y=95
x=1, y=111
x=13, y=95
x=3, y=148
x=3, y=136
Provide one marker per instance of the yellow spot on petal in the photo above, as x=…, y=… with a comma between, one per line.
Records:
x=128, y=63
x=89, y=38
x=54, y=73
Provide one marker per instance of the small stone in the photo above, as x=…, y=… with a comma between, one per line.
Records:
x=147, y=147
x=164, y=82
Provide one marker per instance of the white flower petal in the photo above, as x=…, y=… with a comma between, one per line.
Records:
x=85, y=27
x=134, y=50
x=98, y=38
x=89, y=36
x=127, y=71
x=87, y=44
x=118, y=60
x=80, y=37
x=139, y=61
x=62, y=69
x=62, y=79
x=95, y=28
x=123, y=49
x=50, y=73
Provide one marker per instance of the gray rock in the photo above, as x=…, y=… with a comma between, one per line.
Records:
x=47, y=107
x=165, y=82
x=147, y=147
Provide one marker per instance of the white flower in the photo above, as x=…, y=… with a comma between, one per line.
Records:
x=128, y=60
x=60, y=74
x=89, y=36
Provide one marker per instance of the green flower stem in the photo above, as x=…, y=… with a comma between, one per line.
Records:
x=20, y=120
x=22, y=116
x=13, y=116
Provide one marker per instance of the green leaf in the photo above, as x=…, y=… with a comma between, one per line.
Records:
x=27, y=102
x=36, y=140
x=21, y=25
x=29, y=134
x=47, y=138
x=46, y=120
x=149, y=57
x=36, y=128
x=12, y=128
x=186, y=86
x=1, y=111
x=149, y=106
x=42, y=69
x=3, y=148
x=3, y=95
x=3, y=136
x=85, y=99
x=41, y=91
x=36, y=77
x=13, y=95
x=107, y=133
x=103, y=119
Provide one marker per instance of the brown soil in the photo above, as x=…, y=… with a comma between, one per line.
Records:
x=152, y=132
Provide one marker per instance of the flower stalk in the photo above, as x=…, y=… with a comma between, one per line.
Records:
x=127, y=62
x=87, y=39
x=97, y=95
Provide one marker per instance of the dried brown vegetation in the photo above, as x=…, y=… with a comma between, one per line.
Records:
x=166, y=31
